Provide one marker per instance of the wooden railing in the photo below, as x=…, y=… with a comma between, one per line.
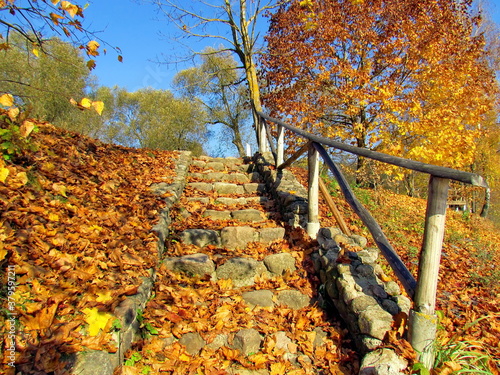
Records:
x=422, y=323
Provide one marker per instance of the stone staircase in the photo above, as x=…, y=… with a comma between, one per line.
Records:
x=236, y=291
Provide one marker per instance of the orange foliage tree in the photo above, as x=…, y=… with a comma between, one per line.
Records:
x=406, y=77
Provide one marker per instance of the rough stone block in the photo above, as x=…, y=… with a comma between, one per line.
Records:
x=202, y=186
x=217, y=215
x=362, y=303
x=268, y=235
x=242, y=271
x=227, y=188
x=249, y=215
x=261, y=297
x=200, y=237
x=215, y=165
x=382, y=362
x=193, y=342
x=247, y=341
x=233, y=177
x=237, y=237
x=293, y=299
x=375, y=322
x=254, y=187
x=218, y=342
x=369, y=255
x=278, y=264
x=194, y=264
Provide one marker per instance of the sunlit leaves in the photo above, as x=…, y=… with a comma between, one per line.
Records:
x=96, y=320
x=333, y=72
x=56, y=18
x=72, y=9
x=7, y=100
x=92, y=48
x=86, y=103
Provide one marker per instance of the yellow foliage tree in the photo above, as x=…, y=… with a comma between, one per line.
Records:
x=405, y=77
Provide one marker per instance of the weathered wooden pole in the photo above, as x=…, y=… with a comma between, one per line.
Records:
x=280, y=148
x=333, y=208
x=313, y=196
x=423, y=320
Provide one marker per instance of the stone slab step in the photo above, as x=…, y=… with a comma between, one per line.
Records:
x=248, y=215
x=229, y=188
x=231, y=237
x=242, y=271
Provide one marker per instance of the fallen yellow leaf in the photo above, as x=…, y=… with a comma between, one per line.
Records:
x=4, y=173
x=7, y=100
x=96, y=320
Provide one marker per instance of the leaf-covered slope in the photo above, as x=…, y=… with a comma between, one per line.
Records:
x=469, y=277
x=75, y=227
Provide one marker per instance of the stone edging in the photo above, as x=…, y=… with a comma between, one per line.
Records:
x=289, y=194
x=101, y=362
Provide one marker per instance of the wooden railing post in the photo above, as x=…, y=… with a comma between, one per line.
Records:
x=423, y=320
x=280, y=149
x=262, y=135
x=313, y=196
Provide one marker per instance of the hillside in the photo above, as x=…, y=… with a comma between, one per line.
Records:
x=75, y=229
x=469, y=285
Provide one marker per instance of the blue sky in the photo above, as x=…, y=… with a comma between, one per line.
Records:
x=144, y=36
x=135, y=26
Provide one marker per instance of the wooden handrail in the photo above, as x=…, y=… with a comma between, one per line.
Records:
x=422, y=323
x=434, y=170
x=378, y=235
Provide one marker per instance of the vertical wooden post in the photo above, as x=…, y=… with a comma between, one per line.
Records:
x=262, y=135
x=423, y=320
x=313, y=196
x=280, y=149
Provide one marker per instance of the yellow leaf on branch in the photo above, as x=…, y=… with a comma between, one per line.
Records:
x=91, y=64
x=92, y=48
x=72, y=9
x=55, y=18
x=98, y=106
x=86, y=103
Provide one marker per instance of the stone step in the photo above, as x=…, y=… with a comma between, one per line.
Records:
x=231, y=237
x=242, y=271
x=228, y=187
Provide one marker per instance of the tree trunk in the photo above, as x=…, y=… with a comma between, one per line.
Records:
x=486, y=206
x=238, y=142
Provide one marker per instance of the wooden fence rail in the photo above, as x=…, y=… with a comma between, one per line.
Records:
x=423, y=320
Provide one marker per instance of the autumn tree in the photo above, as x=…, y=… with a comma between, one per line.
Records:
x=219, y=87
x=235, y=24
x=152, y=119
x=44, y=85
x=403, y=77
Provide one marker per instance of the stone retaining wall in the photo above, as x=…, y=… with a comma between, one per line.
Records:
x=352, y=281
x=289, y=194
x=103, y=363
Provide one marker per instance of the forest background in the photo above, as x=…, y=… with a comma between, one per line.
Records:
x=166, y=91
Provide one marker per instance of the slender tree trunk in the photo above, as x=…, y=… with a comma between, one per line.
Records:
x=238, y=142
x=486, y=206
